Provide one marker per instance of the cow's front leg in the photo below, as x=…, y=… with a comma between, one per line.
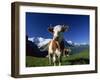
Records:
x=54, y=59
x=50, y=59
x=59, y=58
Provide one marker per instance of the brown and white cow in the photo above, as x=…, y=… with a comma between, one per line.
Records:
x=56, y=45
x=66, y=52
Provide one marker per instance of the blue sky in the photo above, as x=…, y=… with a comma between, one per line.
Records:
x=38, y=23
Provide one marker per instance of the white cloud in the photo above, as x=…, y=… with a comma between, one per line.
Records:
x=77, y=44
x=84, y=43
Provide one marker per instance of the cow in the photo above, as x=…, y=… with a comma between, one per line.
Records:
x=56, y=45
x=66, y=52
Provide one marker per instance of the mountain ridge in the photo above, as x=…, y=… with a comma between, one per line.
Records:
x=40, y=41
x=33, y=47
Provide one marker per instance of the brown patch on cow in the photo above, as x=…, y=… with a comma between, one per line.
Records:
x=55, y=45
x=60, y=44
x=64, y=28
x=50, y=29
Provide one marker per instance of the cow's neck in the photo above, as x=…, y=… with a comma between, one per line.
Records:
x=59, y=40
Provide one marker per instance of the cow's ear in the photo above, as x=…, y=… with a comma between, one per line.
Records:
x=64, y=28
x=50, y=29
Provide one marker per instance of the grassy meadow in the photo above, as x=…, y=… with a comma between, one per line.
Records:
x=73, y=59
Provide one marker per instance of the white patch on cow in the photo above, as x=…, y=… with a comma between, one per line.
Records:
x=58, y=33
x=57, y=28
x=58, y=52
x=54, y=59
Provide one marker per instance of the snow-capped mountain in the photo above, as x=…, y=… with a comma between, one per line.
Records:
x=77, y=44
x=39, y=41
x=42, y=45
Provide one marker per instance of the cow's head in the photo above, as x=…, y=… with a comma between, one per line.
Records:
x=58, y=31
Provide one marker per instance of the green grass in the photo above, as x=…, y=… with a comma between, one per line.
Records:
x=35, y=61
x=80, y=58
x=84, y=54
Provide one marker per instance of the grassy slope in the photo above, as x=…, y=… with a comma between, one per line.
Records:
x=80, y=58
